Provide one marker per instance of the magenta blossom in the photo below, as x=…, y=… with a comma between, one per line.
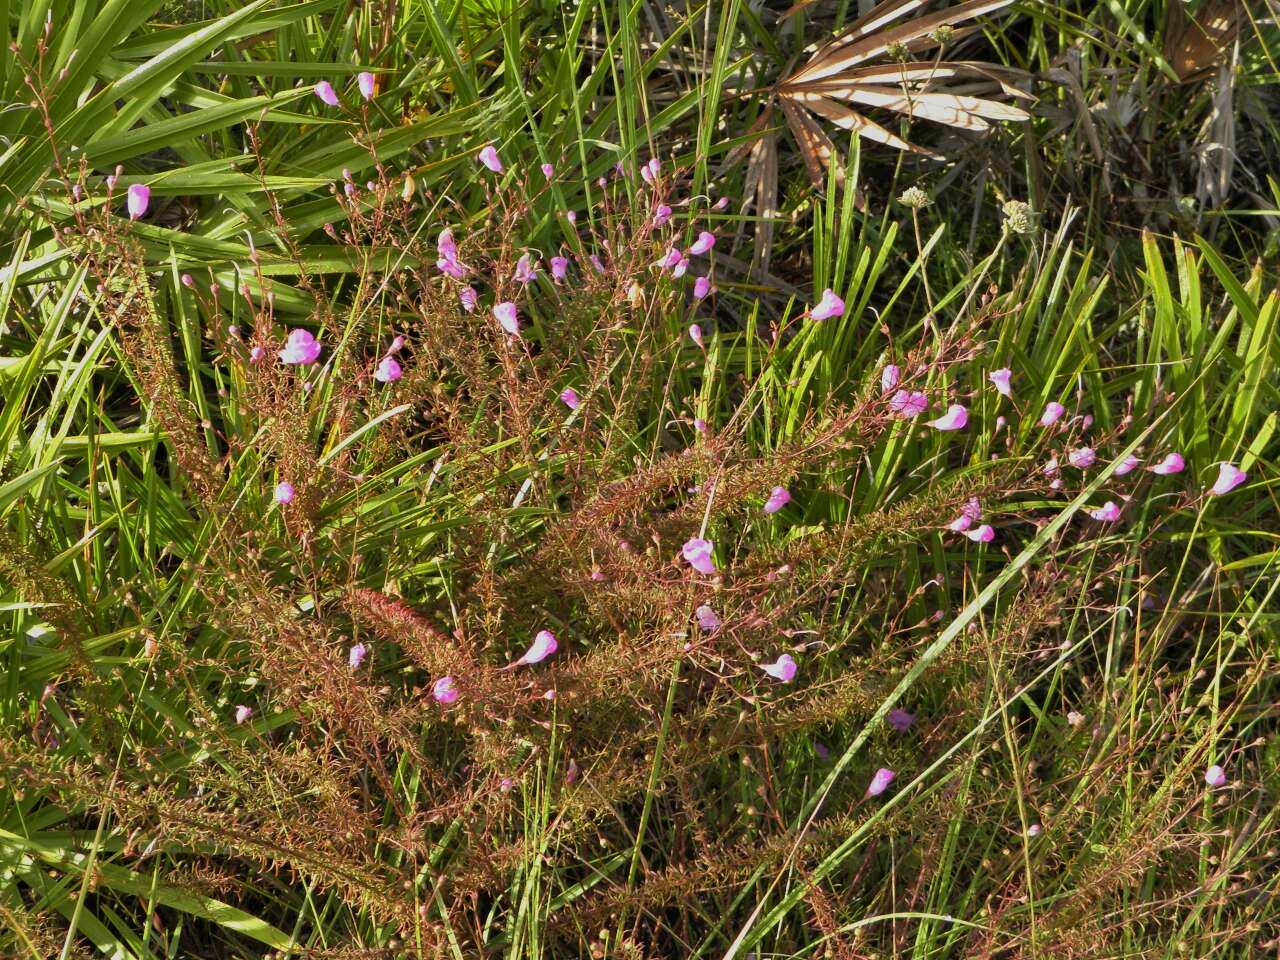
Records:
x=956, y=418
x=681, y=268
x=283, y=492
x=654, y=167
x=701, y=287
x=559, y=268
x=569, y=397
x=889, y=377
x=661, y=214
x=900, y=720
x=1173, y=463
x=445, y=690
x=548, y=171
x=544, y=645
x=1127, y=465
x=695, y=334
x=829, y=306
x=706, y=240
x=783, y=669
x=388, y=371
x=707, y=619
x=397, y=344
x=489, y=157
x=984, y=533
x=970, y=514
x=1107, y=513
x=367, y=84
x=778, y=498
x=1082, y=457
x=1001, y=380
x=525, y=270
x=1229, y=477
x=356, y=655
x=596, y=263
x=506, y=315
x=880, y=782
x=1053, y=412
x=468, y=297
x=1215, y=776
x=137, y=199
x=699, y=424
x=908, y=404
x=243, y=713
x=697, y=553
x=300, y=347
x=669, y=259
x=324, y=90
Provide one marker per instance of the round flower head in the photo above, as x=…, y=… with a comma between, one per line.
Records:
x=559, y=268
x=243, y=713
x=445, y=690
x=697, y=553
x=984, y=533
x=1000, y=379
x=706, y=240
x=783, y=669
x=356, y=655
x=1107, y=513
x=367, y=83
x=1229, y=477
x=956, y=418
x=1215, y=776
x=829, y=306
x=707, y=619
x=137, y=200
x=468, y=297
x=778, y=498
x=1082, y=457
x=701, y=287
x=661, y=214
x=548, y=171
x=324, y=90
x=695, y=334
x=1173, y=463
x=569, y=397
x=908, y=404
x=489, y=157
x=889, y=377
x=300, y=348
x=1127, y=465
x=880, y=782
x=1053, y=412
x=506, y=315
x=544, y=645
x=900, y=720
x=388, y=371
x=283, y=492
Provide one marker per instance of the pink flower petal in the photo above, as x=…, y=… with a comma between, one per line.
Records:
x=889, y=377
x=1229, y=477
x=243, y=714
x=324, y=90
x=783, y=669
x=1053, y=412
x=445, y=690
x=701, y=287
x=388, y=371
x=697, y=553
x=367, y=84
x=283, y=492
x=778, y=498
x=1173, y=463
x=706, y=240
x=1001, y=380
x=468, y=297
x=1107, y=513
x=507, y=317
x=548, y=171
x=829, y=306
x=544, y=645
x=1127, y=465
x=137, y=200
x=300, y=348
x=707, y=618
x=956, y=418
x=489, y=157
x=984, y=533
x=1082, y=457
x=1215, y=776
x=559, y=268
x=356, y=655
x=569, y=397
x=880, y=782
x=900, y=720
x=908, y=404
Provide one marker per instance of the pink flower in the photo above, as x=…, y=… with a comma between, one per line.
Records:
x=889, y=377
x=544, y=645
x=468, y=297
x=681, y=268
x=695, y=334
x=388, y=371
x=707, y=619
x=900, y=720
x=257, y=353
x=283, y=492
x=970, y=514
x=661, y=214
x=1082, y=457
x=697, y=553
x=880, y=782
x=1229, y=477
x=324, y=90
x=1173, y=463
x=982, y=534
x=569, y=397
x=960, y=524
x=669, y=259
x=507, y=317
x=655, y=167
x=596, y=263
x=701, y=287
x=397, y=344
x=1107, y=513
x=956, y=418
x=699, y=424
x=548, y=171
x=782, y=669
x=1053, y=412
x=445, y=690
x=489, y=157
x=356, y=655
x=559, y=268
x=1051, y=468
x=706, y=240
x=300, y=348
x=137, y=200
x=1215, y=776
x=778, y=498
x=367, y=84
x=1000, y=379
x=907, y=404
x=448, y=262
x=243, y=713
x=525, y=271
x=829, y=306
x=1127, y=465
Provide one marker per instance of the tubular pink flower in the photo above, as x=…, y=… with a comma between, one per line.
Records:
x=778, y=498
x=707, y=619
x=445, y=690
x=1082, y=457
x=655, y=167
x=489, y=157
x=569, y=397
x=697, y=553
x=243, y=714
x=300, y=348
x=908, y=404
x=706, y=240
x=956, y=418
x=548, y=171
x=324, y=90
x=889, y=377
x=1002, y=380
x=1107, y=513
x=829, y=306
x=984, y=533
x=661, y=214
x=880, y=782
x=1053, y=412
x=397, y=344
x=783, y=669
x=388, y=371
x=701, y=287
x=356, y=655
x=1173, y=463
x=137, y=200
x=367, y=84
x=681, y=268
x=670, y=259
x=1229, y=477
x=507, y=316
x=1127, y=465
x=525, y=270
x=544, y=645
x=559, y=268
x=695, y=334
